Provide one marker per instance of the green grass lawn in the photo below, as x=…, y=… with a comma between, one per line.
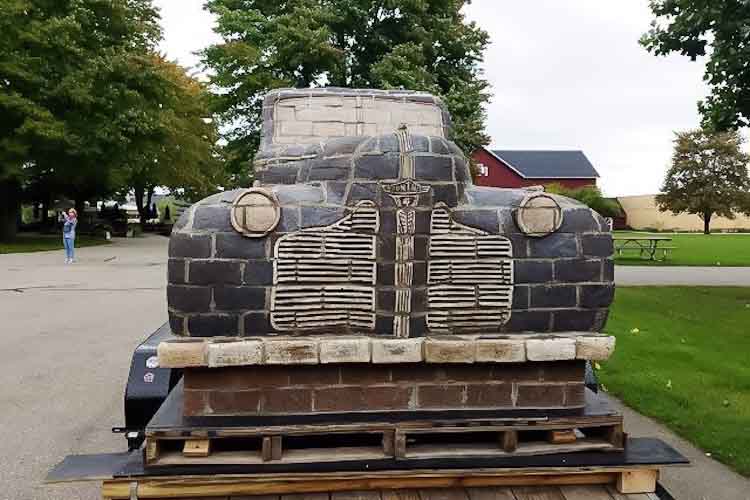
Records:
x=695, y=250
x=683, y=357
x=43, y=242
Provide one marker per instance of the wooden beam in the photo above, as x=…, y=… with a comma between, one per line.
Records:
x=399, y=444
x=637, y=481
x=151, y=450
x=265, y=450
x=509, y=441
x=211, y=487
x=196, y=448
x=276, y=449
x=616, y=436
x=566, y=436
x=389, y=443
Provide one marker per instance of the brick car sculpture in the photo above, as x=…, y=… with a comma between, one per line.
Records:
x=364, y=272
x=363, y=317
x=365, y=249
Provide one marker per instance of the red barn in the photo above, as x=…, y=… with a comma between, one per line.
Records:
x=519, y=168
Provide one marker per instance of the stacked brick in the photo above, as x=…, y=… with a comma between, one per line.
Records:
x=335, y=389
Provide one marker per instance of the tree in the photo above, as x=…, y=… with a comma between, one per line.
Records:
x=388, y=44
x=168, y=134
x=56, y=106
x=23, y=119
x=717, y=29
x=590, y=196
x=708, y=176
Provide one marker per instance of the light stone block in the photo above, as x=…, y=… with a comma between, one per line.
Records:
x=294, y=102
x=328, y=101
x=345, y=350
x=291, y=352
x=430, y=115
x=292, y=139
x=181, y=354
x=449, y=351
x=351, y=129
x=295, y=128
x=501, y=350
x=426, y=130
x=595, y=347
x=284, y=114
x=369, y=129
x=408, y=116
x=550, y=349
x=397, y=350
x=342, y=114
x=329, y=129
x=241, y=353
x=379, y=117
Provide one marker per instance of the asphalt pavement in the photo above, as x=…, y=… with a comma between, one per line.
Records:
x=679, y=275
x=66, y=338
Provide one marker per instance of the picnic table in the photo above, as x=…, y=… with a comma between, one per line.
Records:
x=647, y=246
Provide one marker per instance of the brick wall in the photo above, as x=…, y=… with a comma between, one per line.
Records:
x=272, y=390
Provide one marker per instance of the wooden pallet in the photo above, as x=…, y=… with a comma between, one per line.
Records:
x=305, y=444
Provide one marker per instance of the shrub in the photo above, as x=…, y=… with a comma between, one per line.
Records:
x=591, y=196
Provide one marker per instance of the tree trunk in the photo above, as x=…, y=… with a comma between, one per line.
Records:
x=45, y=213
x=149, y=197
x=80, y=206
x=138, y=191
x=10, y=195
x=707, y=222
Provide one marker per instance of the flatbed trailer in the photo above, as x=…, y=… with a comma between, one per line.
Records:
x=628, y=475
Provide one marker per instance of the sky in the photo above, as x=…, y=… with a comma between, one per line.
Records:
x=563, y=74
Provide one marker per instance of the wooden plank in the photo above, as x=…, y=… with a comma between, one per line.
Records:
x=416, y=427
x=405, y=494
x=510, y=441
x=585, y=493
x=356, y=495
x=562, y=424
x=389, y=445
x=292, y=456
x=265, y=449
x=616, y=435
x=616, y=495
x=565, y=436
x=196, y=448
x=399, y=444
x=276, y=448
x=639, y=481
x=490, y=493
x=306, y=496
x=538, y=493
x=424, y=451
x=326, y=455
x=271, y=448
x=151, y=450
x=443, y=494
x=207, y=487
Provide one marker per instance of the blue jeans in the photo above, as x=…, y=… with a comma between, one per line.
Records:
x=69, y=248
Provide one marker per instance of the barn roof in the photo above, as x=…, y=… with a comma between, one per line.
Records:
x=546, y=164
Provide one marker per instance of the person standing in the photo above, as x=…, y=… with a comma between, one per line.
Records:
x=69, y=234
